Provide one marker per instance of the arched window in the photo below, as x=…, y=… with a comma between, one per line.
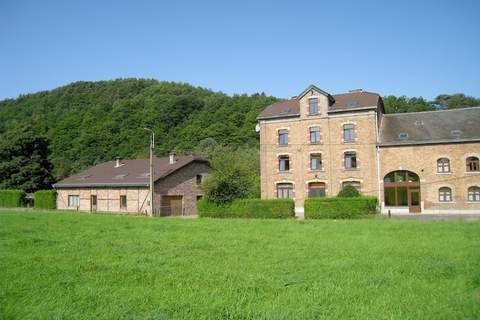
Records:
x=444, y=194
x=316, y=189
x=472, y=164
x=284, y=190
x=284, y=163
x=402, y=188
x=474, y=194
x=443, y=165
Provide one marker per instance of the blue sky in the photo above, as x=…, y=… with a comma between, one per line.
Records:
x=413, y=48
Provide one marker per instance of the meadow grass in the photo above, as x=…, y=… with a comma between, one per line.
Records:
x=81, y=266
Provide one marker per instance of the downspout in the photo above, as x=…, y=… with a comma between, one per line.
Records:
x=377, y=149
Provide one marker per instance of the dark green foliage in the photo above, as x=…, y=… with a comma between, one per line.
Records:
x=45, y=199
x=24, y=161
x=349, y=191
x=11, y=198
x=235, y=175
x=248, y=208
x=415, y=104
x=92, y=122
x=340, y=208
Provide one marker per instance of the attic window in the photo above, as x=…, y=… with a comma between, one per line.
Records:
x=456, y=133
x=84, y=177
x=419, y=123
x=120, y=176
x=403, y=136
x=353, y=103
x=285, y=110
x=145, y=174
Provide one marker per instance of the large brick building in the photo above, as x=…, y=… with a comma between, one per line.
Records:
x=123, y=186
x=315, y=143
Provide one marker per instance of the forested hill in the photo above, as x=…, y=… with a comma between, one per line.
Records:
x=85, y=123
x=91, y=122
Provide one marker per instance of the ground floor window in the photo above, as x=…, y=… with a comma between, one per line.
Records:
x=444, y=194
x=474, y=194
x=199, y=197
x=123, y=202
x=73, y=201
x=355, y=184
x=284, y=190
x=316, y=189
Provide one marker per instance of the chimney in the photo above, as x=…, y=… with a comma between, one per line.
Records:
x=117, y=162
x=173, y=158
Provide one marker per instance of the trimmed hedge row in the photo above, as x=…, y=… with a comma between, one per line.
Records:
x=248, y=208
x=340, y=208
x=45, y=199
x=11, y=198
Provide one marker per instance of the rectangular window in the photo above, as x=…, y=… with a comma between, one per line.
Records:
x=315, y=135
x=402, y=197
x=315, y=162
x=199, y=179
x=73, y=201
x=123, y=202
x=350, y=160
x=283, y=137
x=283, y=163
x=348, y=133
x=390, y=196
x=284, y=190
x=313, y=106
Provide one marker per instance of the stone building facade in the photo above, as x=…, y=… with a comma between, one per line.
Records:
x=314, y=144
x=123, y=186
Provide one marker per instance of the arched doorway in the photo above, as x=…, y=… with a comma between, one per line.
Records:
x=402, y=189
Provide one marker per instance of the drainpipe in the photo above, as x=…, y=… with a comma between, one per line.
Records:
x=377, y=149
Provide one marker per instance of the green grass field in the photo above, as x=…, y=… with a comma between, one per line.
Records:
x=80, y=266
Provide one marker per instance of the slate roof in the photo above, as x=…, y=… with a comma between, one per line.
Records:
x=344, y=102
x=444, y=126
x=132, y=173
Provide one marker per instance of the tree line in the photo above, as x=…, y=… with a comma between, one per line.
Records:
x=49, y=135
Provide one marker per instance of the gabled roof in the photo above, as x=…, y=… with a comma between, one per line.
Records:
x=443, y=126
x=343, y=102
x=313, y=87
x=131, y=173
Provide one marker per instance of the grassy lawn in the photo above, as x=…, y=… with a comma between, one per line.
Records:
x=80, y=266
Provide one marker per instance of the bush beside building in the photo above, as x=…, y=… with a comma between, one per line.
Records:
x=340, y=208
x=11, y=198
x=248, y=208
x=45, y=199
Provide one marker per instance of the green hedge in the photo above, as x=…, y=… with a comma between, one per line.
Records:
x=248, y=208
x=340, y=208
x=11, y=198
x=45, y=199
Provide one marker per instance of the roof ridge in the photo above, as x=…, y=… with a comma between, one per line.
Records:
x=363, y=91
x=430, y=111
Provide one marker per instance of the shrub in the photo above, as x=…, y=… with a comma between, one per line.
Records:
x=12, y=198
x=340, y=208
x=349, y=191
x=248, y=208
x=45, y=199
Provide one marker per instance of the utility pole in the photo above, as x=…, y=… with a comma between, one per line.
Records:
x=152, y=145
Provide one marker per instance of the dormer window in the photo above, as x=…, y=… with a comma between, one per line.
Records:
x=313, y=106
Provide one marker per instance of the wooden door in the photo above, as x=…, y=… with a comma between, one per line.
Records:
x=414, y=200
x=93, y=203
x=172, y=205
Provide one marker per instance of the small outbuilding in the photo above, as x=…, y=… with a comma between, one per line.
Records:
x=123, y=186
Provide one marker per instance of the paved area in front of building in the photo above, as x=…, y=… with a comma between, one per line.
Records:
x=443, y=216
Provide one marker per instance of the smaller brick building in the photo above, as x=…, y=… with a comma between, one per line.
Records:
x=123, y=186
